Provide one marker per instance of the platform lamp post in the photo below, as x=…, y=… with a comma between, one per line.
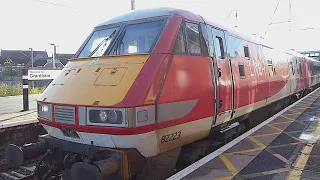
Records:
x=54, y=55
x=31, y=57
x=32, y=64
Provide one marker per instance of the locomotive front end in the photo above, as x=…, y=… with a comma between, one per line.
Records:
x=100, y=112
x=135, y=94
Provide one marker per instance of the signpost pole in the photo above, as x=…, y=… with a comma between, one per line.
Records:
x=25, y=89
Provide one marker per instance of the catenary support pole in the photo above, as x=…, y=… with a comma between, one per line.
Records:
x=25, y=87
x=133, y=5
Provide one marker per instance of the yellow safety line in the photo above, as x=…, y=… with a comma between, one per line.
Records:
x=282, y=158
x=300, y=122
x=292, y=109
x=282, y=122
x=310, y=129
x=262, y=135
x=228, y=164
x=293, y=120
x=293, y=137
x=243, y=151
x=284, y=145
x=303, y=106
x=256, y=142
x=294, y=113
x=307, y=149
x=270, y=125
x=302, y=159
x=295, y=131
x=279, y=156
x=287, y=118
x=275, y=171
x=224, y=178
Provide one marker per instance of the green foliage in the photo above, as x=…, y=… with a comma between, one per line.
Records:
x=37, y=90
x=13, y=90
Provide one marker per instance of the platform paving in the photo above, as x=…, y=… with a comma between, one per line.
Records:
x=11, y=114
x=286, y=148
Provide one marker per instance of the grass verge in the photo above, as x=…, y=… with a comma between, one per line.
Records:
x=14, y=90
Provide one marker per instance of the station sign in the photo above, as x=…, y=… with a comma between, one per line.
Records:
x=43, y=74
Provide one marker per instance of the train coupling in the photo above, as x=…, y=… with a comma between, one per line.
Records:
x=16, y=155
x=98, y=170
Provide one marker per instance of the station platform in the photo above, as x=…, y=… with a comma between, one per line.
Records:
x=17, y=118
x=285, y=146
x=10, y=111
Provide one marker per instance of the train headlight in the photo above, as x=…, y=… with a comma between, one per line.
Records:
x=103, y=115
x=113, y=116
x=44, y=111
x=44, y=108
x=106, y=117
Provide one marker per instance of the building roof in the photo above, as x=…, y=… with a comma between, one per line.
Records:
x=64, y=58
x=308, y=52
x=22, y=57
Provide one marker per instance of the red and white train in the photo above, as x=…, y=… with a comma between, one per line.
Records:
x=147, y=87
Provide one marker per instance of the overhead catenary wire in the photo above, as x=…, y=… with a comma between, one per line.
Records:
x=229, y=15
x=55, y=4
x=275, y=10
x=290, y=16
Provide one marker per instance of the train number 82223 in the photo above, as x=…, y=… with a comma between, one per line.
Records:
x=170, y=137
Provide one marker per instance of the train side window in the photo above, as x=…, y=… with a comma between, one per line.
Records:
x=272, y=71
x=246, y=52
x=234, y=46
x=241, y=71
x=204, y=40
x=219, y=47
x=193, y=38
x=210, y=40
x=292, y=68
x=180, y=44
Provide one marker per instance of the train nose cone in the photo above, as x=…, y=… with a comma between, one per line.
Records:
x=14, y=155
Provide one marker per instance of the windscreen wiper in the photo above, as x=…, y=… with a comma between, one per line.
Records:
x=104, y=40
x=118, y=44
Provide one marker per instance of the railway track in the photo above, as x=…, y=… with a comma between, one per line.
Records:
x=20, y=134
x=24, y=172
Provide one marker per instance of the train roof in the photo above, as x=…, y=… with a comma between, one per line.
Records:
x=165, y=11
x=148, y=13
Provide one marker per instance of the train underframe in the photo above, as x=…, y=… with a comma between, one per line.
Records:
x=68, y=160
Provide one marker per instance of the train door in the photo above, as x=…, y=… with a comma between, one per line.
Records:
x=209, y=38
x=225, y=91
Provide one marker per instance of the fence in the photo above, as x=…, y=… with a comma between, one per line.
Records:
x=12, y=75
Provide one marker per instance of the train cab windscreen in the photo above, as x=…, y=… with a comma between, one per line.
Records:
x=138, y=38
x=98, y=43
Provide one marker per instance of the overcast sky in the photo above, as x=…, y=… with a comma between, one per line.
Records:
x=35, y=23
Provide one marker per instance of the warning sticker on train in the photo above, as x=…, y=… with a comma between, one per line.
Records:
x=43, y=74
